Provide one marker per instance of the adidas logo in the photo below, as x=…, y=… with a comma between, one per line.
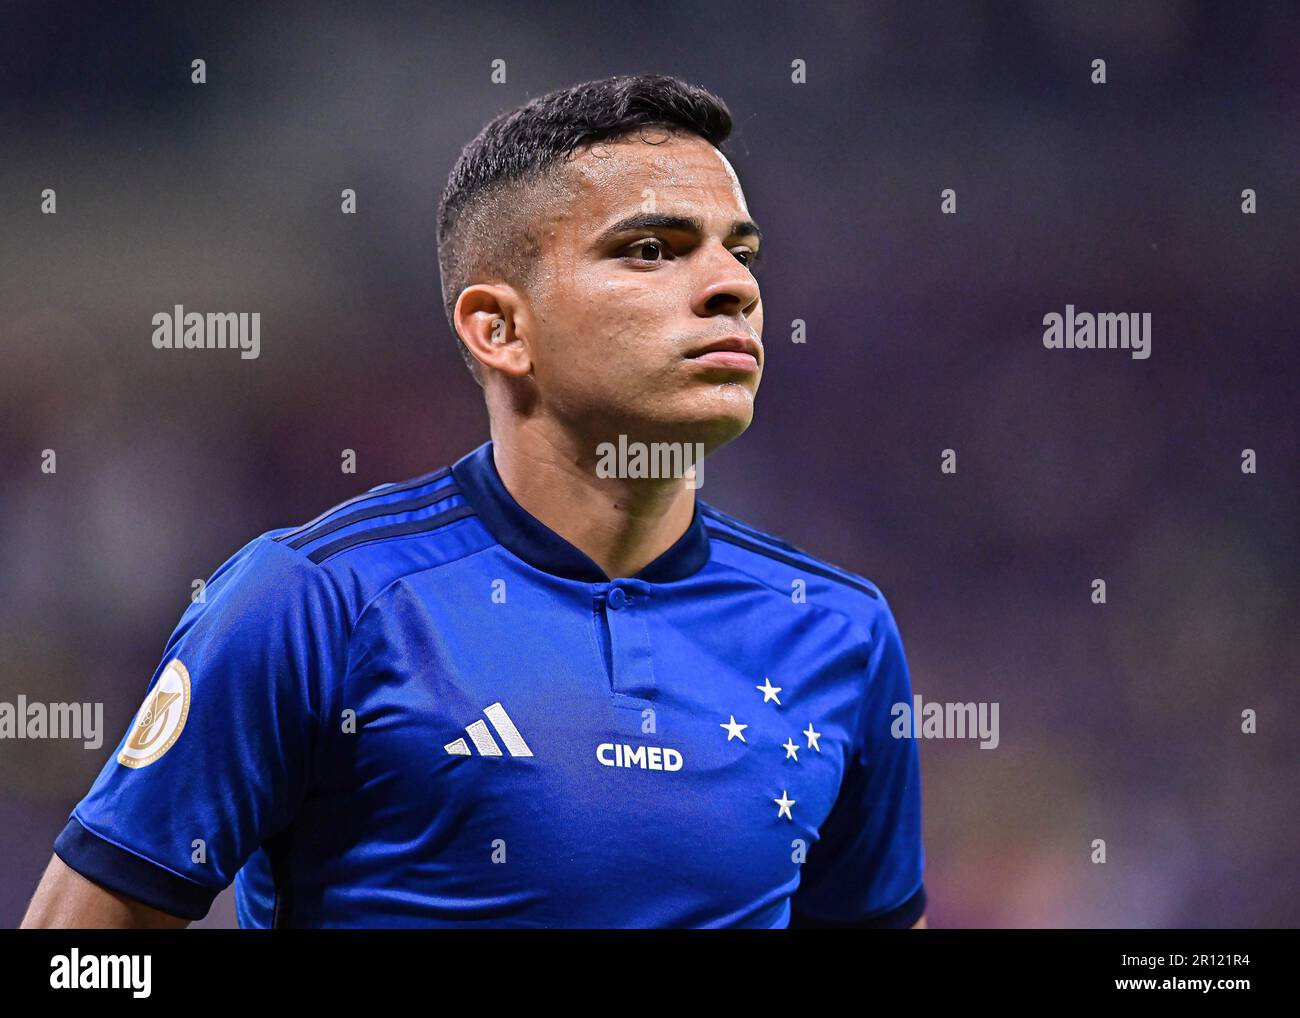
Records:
x=482, y=738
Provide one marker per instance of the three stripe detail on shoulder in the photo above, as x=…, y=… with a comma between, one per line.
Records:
x=788, y=554
x=369, y=496
x=409, y=505
x=375, y=504
x=423, y=525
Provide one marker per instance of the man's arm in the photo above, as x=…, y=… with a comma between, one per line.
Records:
x=67, y=900
x=262, y=648
x=866, y=871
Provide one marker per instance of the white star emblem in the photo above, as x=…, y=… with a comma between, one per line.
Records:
x=791, y=750
x=734, y=731
x=784, y=805
x=813, y=736
x=769, y=691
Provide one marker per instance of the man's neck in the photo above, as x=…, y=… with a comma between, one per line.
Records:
x=621, y=524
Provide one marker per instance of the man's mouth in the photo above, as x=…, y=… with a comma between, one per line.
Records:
x=730, y=353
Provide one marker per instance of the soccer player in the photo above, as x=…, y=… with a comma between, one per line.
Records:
x=538, y=687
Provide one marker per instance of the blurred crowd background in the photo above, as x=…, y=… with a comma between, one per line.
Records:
x=924, y=332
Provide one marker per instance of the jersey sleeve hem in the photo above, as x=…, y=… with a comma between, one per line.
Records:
x=121, y=870
x=902, y=917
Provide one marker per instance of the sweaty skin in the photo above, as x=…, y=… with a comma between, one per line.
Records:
x=598, y=344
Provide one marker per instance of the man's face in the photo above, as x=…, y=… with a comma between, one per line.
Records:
x=642, y=269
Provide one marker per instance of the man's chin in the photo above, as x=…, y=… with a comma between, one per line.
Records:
x=727, y=414
x=701, y=420
x=709, y=428
x=723, y=430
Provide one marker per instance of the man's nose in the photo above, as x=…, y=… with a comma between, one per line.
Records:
x=728, y=287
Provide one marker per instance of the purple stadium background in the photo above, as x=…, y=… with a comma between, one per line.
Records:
x=924, y=332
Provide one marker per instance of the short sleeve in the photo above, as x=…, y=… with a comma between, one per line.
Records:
x=220, y=752
x=867, y=868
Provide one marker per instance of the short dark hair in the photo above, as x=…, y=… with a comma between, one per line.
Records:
x=485, y=217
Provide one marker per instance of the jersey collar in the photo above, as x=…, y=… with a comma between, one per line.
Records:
x=534, y=542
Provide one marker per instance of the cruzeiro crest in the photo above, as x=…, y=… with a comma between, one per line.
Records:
x=161, y=718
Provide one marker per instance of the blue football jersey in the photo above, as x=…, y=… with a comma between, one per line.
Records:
x=425, y=708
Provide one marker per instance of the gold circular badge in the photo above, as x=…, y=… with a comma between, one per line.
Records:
x=161, y=718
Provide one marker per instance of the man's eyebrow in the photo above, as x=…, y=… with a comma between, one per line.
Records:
x=688, y=224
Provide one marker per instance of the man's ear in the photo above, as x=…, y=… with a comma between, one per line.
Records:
x=487, y=320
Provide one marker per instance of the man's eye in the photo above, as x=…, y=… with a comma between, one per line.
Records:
x=751, y=256
x=653, y=245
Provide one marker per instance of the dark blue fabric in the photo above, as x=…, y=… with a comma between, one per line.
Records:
x=427, y=709
x=118, y=869
x=541, y=547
